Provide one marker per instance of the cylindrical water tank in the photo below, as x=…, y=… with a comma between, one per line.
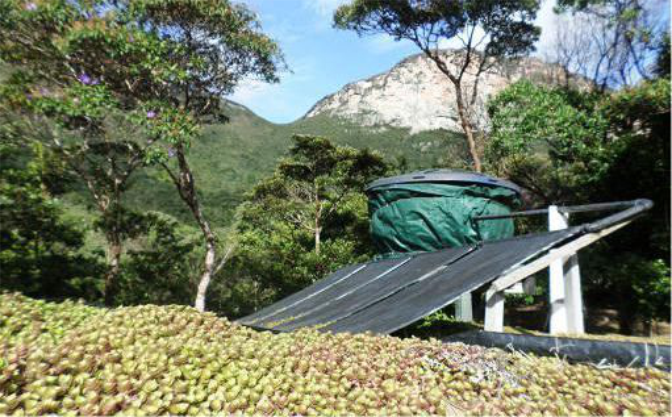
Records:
x=434, y=209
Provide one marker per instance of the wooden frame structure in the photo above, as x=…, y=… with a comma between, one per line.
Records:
x=565, y=294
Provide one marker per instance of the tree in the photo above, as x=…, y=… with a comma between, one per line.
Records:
x=54, y=51
x=661, y=68
x=488, y=31
x=75, y=123
x=161, y=65
x=40, y=252
x=158, y=266
x=581, y=147
x=611, y=42
x=549, y=140
x=316, y=177
x=306, y=220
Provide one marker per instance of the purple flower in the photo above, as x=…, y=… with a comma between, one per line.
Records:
x=171, y=152
x=44, y=92
x=86, y=79
x=151, y=114
x=29, y=96
x=31, y=6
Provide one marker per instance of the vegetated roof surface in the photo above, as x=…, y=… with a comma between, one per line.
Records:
x=69, y=358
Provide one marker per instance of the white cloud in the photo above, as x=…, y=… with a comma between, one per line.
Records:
x=281, y=102
x=250, y=90
x=382, y=44
x=323, y=11
x=324, y=8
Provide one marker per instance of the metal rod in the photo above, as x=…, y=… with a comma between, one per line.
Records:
x=512, y=214
x=566, y=209
x=600, y=206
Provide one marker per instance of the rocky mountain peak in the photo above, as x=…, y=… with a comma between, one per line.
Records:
x=415, y=94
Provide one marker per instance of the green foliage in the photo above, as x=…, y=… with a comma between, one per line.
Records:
x=163, y=64
x=159, y=265
x=639, y=286
x=550, y=140
x=126, y=83
x=43, y=254
x=306, y=220
x=225, y=170
x=509, y=24
x=639, y=120
x=39, y=252
x=581, y=147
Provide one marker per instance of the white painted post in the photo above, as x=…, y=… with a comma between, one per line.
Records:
x=556, y=283
x=463, y=308
x=564, y=285
x=494, y=311
x=573, y=294
x=530, y=286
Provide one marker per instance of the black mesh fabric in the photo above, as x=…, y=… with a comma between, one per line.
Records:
x=418, y=268
x=484, y=265
x=387, y=295
x=287, y=302
x=325, y=291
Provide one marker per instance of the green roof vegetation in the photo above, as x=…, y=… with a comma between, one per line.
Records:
x=71, y=359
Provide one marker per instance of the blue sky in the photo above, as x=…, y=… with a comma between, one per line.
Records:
x=323, y=59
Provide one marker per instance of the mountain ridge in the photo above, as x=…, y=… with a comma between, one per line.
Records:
x=414, y=94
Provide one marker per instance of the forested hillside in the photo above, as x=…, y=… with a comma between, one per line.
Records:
x=232, y=156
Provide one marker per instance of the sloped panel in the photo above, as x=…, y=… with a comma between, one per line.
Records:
x=338, y=287
x=297, y=297
x=420, y=267
x=413, y=302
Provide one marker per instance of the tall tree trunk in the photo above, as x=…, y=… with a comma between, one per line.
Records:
x=466, y=126
x=184, y=182
x=113, y=267
x=318, y=215
x=208, y=272
x=318, y=232
x=626, y=320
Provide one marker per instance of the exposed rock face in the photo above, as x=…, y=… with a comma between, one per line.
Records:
x=414, y=94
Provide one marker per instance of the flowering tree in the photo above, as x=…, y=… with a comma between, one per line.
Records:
x=118, y=84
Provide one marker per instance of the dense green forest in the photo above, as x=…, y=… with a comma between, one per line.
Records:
x=231, y=157
x=125, y=195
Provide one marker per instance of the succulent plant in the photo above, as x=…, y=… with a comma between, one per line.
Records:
x=68, y=359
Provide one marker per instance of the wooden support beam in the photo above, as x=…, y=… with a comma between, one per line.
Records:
x=464, y=309
x=573, y=296
x=556, y=277
x=494, y=311
x=521, y=272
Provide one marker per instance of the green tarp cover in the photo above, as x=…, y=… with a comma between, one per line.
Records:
x=423, y=217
